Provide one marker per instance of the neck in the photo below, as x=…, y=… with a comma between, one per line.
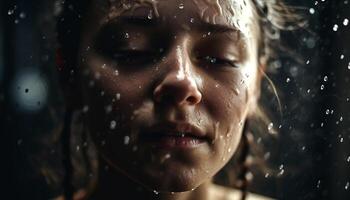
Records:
x=113, y=185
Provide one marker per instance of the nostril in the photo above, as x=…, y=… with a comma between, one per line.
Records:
x=192, y=100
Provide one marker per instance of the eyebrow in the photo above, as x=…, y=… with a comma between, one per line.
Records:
x=202, y=26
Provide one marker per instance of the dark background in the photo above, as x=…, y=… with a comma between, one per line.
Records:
x=311, y=155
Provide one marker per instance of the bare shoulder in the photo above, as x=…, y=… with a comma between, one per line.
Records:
x=223, y=193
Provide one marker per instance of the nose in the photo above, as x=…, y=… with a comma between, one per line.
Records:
x=179, y=84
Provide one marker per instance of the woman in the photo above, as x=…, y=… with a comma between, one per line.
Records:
x=167, y=88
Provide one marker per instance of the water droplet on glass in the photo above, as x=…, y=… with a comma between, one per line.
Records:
x=117, y=96
x=270, y=126
x=342, y=57
x=112, y=124
x=22, y=15
x=345, y=22
x=155, y=192
x=126, y=140
x=150, y=15
x=85, y=109
x=325, y=79
x=322, y=87
x=327, y=112
x=181, y=6
x=312, y=11
x=318, y=183
x=267, y=175
x=335, y=27
x=126, y=35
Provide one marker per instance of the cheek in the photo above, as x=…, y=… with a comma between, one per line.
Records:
x=113, y=96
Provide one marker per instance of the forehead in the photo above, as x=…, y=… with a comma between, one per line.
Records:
x=237, y=14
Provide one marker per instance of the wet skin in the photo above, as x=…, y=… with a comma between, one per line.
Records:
x=168, y=88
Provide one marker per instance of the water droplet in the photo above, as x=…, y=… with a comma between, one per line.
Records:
x=308, y=91
x=322, y=87
x=150, y=15
x=155, y=192
x=327, y=112
x=341, y=119
x=126, y=35
x=318, y=183
x=335, y=27
x=10, y=12
x=346, y=22
x=347, y=186
x=85, y=109
x=342, y=57
x=287, y=80
x=267, y=175
x=181, y=6
x=19, y=142
x=270, y=126
x=112, y=124
x=22, y=15
x=325, y=79
x=312, y=11
x=348, y=159
x=126, y=140
x=117, y=96
x=108, y=109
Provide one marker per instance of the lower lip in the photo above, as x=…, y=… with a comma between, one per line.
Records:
x=176, y=142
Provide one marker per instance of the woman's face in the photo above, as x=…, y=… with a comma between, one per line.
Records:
x=169, y=84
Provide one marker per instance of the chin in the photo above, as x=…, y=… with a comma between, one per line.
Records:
x=174, y=180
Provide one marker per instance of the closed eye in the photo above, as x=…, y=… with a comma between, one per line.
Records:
x=216, y=61
x=134, y=57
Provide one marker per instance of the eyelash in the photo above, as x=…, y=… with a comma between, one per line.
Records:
x=218, y=61
x=135, y=57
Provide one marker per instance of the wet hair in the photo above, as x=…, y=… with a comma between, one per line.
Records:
x=274, y=17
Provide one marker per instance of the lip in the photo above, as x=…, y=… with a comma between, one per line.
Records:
x=174, y=135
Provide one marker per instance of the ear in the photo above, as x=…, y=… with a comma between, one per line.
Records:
x=68, y=81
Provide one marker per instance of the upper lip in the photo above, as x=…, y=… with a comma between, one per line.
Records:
x=175, y=129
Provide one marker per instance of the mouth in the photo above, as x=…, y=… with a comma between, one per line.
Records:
x=174, y=135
